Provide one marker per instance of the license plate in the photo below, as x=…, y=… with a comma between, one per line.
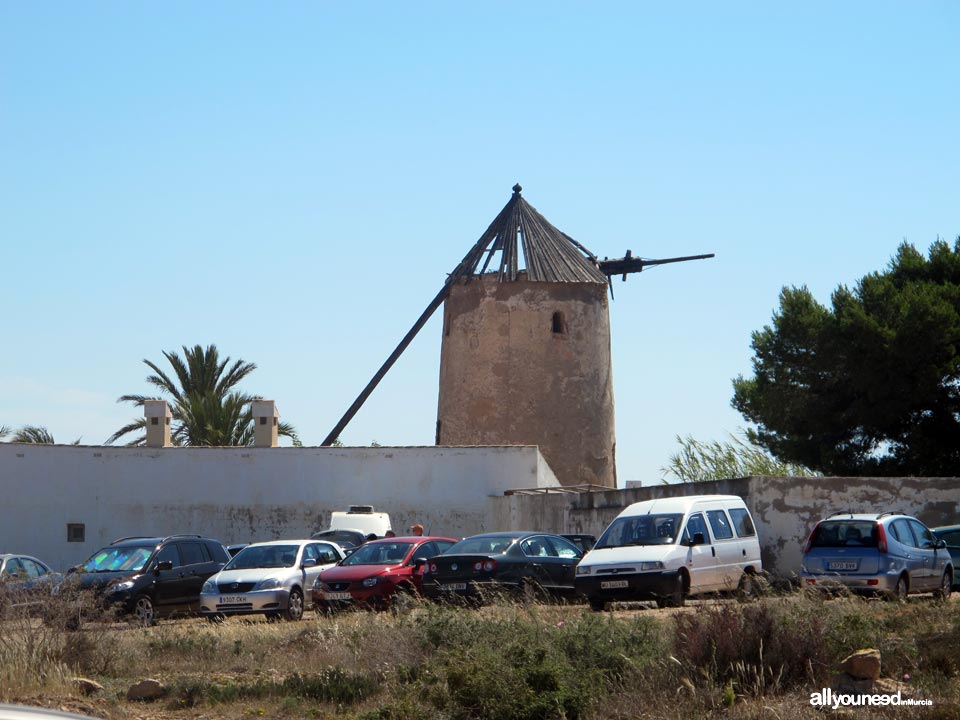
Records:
x=841, y=565
x=612, y=584
x=454, y=586
x=337, y=596
x=233, y=599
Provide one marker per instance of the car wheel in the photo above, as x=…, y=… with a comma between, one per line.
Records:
x=597, y=604
x=901, y=590
x=678, y=597
x=531, y=592
x=404, y=599
x=294, y=609
x=946, y=586
x=745, y=589
x=751, y=587
x=144, y=611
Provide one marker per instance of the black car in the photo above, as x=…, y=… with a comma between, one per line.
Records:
x=152, y=576
x=512, y=561
x=344, y=538
x=26, y=582
x=950, y=534
x=584, y=542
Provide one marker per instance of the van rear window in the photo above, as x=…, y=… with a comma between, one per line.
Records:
x=742, y=522
x=845, y=533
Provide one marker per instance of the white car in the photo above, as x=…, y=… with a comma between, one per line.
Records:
x=268, y=578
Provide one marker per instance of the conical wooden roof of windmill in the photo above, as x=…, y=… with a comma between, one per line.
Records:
x=549, y=254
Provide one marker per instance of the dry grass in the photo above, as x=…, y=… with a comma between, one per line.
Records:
x=505, y=661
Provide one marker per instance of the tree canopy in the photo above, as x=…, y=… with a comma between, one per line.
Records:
x=31, y=434
x=699, y=461
x=870, y=385
x=207, y=408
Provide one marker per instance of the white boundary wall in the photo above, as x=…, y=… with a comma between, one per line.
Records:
x=245, y=494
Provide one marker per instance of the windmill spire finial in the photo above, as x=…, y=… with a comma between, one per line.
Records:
x=517, y=189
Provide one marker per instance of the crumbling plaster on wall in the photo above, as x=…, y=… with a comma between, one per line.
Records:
x=785, y=509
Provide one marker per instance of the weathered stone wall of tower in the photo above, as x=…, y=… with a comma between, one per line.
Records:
x=528, y=363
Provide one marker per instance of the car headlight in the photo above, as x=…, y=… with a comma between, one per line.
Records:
x=209, y=587
x=370, y=582
x=122, y=586
x=583, y=569
x=268, y=584
x=646, y=566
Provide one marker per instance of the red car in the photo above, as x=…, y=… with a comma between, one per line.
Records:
x=376, y=571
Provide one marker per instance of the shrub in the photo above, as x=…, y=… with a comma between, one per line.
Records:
x=753, y=646
x=516, y=665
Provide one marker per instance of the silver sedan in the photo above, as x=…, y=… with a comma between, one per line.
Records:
x=268, y=578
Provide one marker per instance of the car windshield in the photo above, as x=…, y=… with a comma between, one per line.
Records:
x=264, y=556
x=379, y=553
x=496, y=545
x=845, y=533
x=641, y=530
x=123, y=558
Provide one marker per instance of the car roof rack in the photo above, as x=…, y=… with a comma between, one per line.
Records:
x=841, y=512
x=889, y=512
x=132, y=537
x=181, y=535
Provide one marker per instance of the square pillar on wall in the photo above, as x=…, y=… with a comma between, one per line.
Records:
x=158, y=416
x=266, y=422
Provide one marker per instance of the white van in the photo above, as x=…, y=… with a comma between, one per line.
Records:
x=362, y=518
x=351, y=529
x=668, y=549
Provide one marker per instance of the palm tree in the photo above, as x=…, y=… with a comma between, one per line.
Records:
x=33, y=434
x=206, y=407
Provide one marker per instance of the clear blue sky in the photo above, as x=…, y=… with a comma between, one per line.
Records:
x=292, y=181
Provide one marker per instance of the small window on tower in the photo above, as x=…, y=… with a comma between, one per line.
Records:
x=559, y=324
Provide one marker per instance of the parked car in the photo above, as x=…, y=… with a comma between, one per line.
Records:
x=25, y=582
x=152, y=576
x=670, y=548
x=887, y=553
x=352, y=527
x=950, y=534
x=233, y=549
x=508, y=561
x=584, y=542
x=344, y=538
x=269, y=578
x=375, y=572
x=24, y=712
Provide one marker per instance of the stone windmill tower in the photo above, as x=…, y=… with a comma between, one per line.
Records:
x=525, y=355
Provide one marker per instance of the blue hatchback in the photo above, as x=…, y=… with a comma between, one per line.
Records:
x=888, y=554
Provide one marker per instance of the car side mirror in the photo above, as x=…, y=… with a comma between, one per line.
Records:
x=941, y=545
x=698, y=539
x=419, y=562
x=164, y=565
x=309, y=562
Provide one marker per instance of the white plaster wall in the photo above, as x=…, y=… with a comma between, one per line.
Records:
x=245, y=494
